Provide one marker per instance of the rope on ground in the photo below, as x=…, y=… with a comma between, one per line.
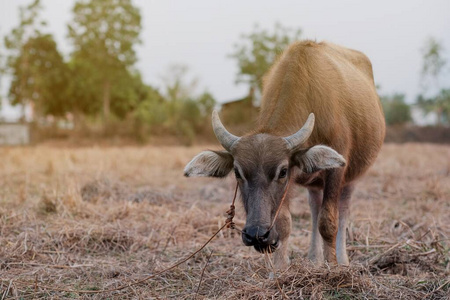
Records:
x=228, y=224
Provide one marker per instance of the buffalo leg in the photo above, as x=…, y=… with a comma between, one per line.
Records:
x=283, y=226
x=315, y=253
x=329, y=213
x=344, y=211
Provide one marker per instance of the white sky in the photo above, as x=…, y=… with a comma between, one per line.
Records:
x=201, y=33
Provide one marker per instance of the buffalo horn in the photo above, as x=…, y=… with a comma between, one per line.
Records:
x=225, y=138
x=302, y=135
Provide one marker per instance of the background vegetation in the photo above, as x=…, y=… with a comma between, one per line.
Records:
x=97, y=90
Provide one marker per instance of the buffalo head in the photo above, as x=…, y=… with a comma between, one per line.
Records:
x=263, y=164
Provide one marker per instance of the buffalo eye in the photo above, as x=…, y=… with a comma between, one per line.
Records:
x=237, y=174
x=283, y=173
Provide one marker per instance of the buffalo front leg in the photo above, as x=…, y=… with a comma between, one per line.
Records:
x=329, y=213
x=344, y=212
x=283, y=227
x=315, y=253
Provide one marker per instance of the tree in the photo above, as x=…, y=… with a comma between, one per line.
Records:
x=16, y=42
x=432, y=71
x=45, y=79
x=396, y=110
x=439, y=104
x=433, y=61
x=187, y=111
x=30, y=26
x=2, y=72
x=104, y=33
x=257, y=51
x=128, y=92
x=152, y=111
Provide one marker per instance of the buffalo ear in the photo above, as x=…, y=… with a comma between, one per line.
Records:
x=210, y=164
x=318, y=158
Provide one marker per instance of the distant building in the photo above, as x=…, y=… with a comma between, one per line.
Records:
x=12, y=134
x=10, y=113
x=240, y=111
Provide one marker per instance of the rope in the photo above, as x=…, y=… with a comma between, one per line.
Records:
x=280, y=205
x=228, y=223
x=232, y=211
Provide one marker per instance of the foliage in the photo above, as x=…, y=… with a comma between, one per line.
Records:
x=84, y=88
x=186, y=111
x=40, y=76
x=433, y=70
x=99, y=77
x=178, y=111
x=150, y=114
x=2, y=72
x=30, y=52
x=30, y=26
x=433, y=61
x=104, y=33
x=192, y=115
x=396, y=111
x=439, y=104
x=177, y=86
x=257, y=51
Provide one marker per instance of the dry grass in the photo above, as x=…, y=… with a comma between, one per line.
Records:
x=97, y=218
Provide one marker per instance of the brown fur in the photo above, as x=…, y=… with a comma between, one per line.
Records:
x=337, y=85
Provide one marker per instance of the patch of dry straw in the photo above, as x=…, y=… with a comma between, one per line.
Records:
x=98, y=218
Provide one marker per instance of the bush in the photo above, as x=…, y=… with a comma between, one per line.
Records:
x=396, y=111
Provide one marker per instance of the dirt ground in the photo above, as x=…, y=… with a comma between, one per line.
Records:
x=93, y=218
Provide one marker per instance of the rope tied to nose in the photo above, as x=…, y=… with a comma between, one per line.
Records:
x=232, y=211
x=280, y=205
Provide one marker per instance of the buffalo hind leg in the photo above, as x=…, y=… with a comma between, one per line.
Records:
x=329, y=213
x=344, y=212
x=315, y=253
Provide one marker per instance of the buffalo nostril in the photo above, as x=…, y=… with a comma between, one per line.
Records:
x=255, y=235
x=263, y=238
x=266, y=235
x=248, y=239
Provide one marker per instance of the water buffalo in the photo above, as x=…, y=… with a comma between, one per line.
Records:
x=328, y=91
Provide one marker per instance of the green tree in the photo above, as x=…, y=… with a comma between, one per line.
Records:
x=439, y=104
x=176, y=83
x=104, y=33
x=433, y=61
x=17, y=59
x=45, y=80
x=152, y=111
x=432, y=72
x=187, y=111
x=30, y=25
x=178, y=87
x=129, y=91
x=2, y=72
x=257, y=51
x=396, y=110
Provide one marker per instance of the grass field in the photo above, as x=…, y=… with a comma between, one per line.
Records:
x=96, y=218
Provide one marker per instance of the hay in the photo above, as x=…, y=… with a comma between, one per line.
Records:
x=80, y=228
